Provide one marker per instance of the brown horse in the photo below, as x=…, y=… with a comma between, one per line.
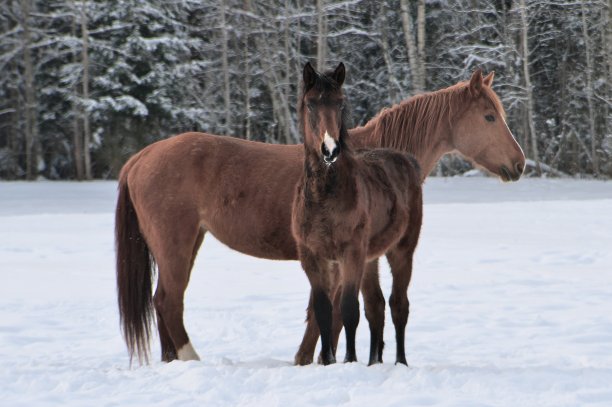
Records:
x=174, y=191
x=351, y=207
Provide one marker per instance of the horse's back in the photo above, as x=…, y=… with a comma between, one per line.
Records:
x=392, y=165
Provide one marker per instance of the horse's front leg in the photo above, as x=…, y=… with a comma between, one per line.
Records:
x=351, y=269
x=318, y=275
x=305, y=352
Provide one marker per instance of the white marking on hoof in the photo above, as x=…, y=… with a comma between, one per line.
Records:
x=187, y=353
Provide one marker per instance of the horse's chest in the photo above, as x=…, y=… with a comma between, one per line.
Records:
x=330, y=236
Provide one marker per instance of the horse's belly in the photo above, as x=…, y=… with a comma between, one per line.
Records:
x=271, y=239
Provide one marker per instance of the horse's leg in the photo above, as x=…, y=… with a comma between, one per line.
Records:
x=400, y=260
x=352, y=268
x=374, y=310
x=336, y=313
x=306, y=350
x=318, y=275
x=175, y=256
x=168, y=350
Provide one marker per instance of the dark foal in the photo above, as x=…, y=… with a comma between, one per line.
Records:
x=350, y=208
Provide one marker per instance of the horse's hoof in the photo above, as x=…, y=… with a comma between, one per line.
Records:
x=329, y=360
x=302, y=360
x=350, y=358
x=321, y=360
x=374, y=361
x=401, y=361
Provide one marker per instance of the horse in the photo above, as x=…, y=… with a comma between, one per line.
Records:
x=172, y=192
x=351, y=207
x=466, y=118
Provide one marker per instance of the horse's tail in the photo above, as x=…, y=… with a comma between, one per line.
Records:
x=135, y=268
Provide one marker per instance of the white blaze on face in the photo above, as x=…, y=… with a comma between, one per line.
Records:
x=329, y=142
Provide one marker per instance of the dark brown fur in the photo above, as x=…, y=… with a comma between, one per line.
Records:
x=242, y=191
x=350, y=211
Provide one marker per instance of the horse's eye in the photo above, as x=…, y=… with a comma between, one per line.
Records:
x=309, y=106
x=490, y=118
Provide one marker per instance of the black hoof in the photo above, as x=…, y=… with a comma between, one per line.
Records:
x=350, y=358
x=327, y=360
x=401, y=361
x=374, y=361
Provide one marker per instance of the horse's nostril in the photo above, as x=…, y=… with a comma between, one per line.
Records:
x=325, y=150
x=519, y=168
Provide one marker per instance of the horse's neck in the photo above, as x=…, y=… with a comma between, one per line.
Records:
x=427, y=154
x=320, y=178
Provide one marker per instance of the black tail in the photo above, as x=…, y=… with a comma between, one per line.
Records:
x=135, y=269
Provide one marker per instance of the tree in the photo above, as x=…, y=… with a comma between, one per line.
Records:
x=106, y=78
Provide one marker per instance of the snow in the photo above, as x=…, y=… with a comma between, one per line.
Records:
x=510, y=306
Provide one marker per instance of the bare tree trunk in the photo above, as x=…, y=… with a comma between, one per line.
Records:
x=411, y=46
x=421, y=42
x=393, y=85
x=77, y=140
x=225, y=67
x=298, y=60
x=279, y=102
x=528, y=88
x=608, y=45
x=321, y=36
x=247, y=79
x=85, y=61
x=606, y=39
x=288, y=73
x=31, y=127
x=589, y=90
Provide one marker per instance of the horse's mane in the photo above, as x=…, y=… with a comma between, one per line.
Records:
x=411, y=124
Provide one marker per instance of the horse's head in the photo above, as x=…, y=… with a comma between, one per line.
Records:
x=322, y=110
x=481, y=133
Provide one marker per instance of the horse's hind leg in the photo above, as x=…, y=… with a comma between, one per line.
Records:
x=168, y=351
x=352, y=268
x=400, y=260
x=336, y=313
x=306, y=350
x=175, y=265
x=374, y=302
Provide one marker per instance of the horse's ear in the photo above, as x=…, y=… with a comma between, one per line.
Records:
x=339, y=74
x=476, y=82
x=309, y=76
x=488, y=80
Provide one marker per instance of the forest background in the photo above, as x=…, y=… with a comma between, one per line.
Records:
x=84, y=84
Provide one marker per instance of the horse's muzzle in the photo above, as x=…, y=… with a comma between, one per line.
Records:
x=507, y=175
x=330, y=156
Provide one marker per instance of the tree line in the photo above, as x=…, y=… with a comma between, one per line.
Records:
x=86, y=83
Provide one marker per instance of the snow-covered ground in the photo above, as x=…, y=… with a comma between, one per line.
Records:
x=511, y=305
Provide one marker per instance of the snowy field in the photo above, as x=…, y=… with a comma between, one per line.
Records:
x=511, y=305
